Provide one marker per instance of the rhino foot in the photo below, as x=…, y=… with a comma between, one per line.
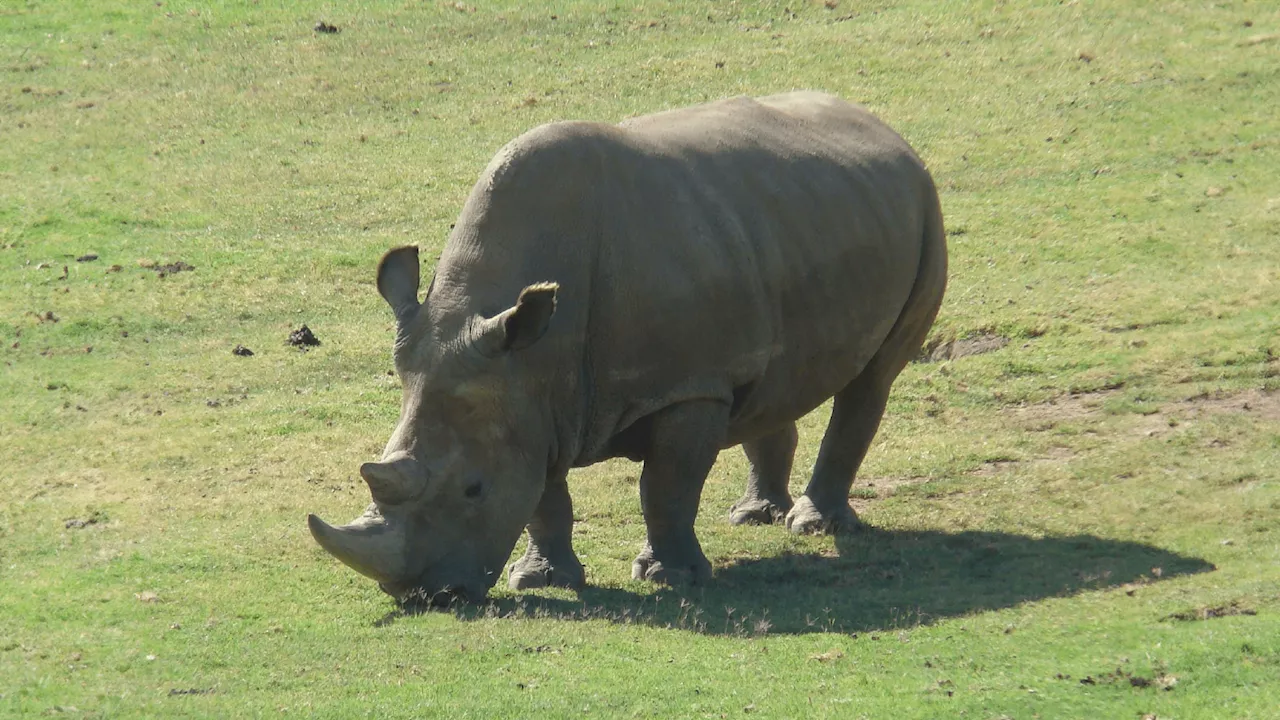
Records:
x=806, y=518
x=758, y=511
x=692, y=571
x=528, y=573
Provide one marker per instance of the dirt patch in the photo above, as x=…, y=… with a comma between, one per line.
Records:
x=303, y=338
x=866, y=491
x=993, y=467
x=78, y=523
x=1054, y=455
x=1208, y=613
x=1259, y=403
x=955, y=349
x=1046, y=415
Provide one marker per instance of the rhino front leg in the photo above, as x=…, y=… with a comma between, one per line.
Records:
x=684, y=442
x=550, y=559
x=767, y=499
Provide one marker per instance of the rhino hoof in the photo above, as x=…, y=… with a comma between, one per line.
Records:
x=693, y=573
x=758, y=511
x=806, y=519
x=526, y=575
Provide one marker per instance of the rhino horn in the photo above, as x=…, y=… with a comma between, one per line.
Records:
x=370, y=546
x=391, y=482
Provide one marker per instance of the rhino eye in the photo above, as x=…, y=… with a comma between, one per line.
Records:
x=473, y=490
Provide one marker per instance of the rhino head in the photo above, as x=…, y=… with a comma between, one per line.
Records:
x=467, y=463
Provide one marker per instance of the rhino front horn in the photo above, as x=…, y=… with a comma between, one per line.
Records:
x=369, y=545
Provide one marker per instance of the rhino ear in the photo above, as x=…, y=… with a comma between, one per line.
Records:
x=519, y=327
x=398, y=278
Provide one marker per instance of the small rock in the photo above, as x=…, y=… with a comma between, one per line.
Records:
x=241, y=351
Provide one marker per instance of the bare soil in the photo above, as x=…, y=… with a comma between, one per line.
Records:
x=955, y=349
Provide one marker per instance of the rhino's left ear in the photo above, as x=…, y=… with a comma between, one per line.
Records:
x=518, y=327
x=398, y=278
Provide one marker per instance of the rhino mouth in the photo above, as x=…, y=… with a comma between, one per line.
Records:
x=375, y=548
x=422, y=599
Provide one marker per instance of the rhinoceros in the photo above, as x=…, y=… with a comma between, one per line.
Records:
x=659, y=290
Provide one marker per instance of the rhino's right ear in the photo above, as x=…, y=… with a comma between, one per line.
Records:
x=398, y=278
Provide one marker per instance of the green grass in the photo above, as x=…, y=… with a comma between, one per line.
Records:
x=1041, y=515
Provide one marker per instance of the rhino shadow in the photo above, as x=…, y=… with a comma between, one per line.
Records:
x=877, y=580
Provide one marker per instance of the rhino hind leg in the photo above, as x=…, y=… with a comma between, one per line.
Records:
x=767, y=500
x=855, y=417
x=856, y=412
x=549, y=559
x=684, y=442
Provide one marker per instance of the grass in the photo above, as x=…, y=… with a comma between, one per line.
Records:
x=1080, y=523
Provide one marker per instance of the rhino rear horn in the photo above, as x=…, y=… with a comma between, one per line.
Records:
x=369, y=545
x=390, y=482
x=399, y=275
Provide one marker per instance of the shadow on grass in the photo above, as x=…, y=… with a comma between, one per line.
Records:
x=880, y=580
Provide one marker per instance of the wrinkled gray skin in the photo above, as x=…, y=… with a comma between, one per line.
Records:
x=682, y=283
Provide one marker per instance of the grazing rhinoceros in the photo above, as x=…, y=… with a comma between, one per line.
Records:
x=682, y=283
